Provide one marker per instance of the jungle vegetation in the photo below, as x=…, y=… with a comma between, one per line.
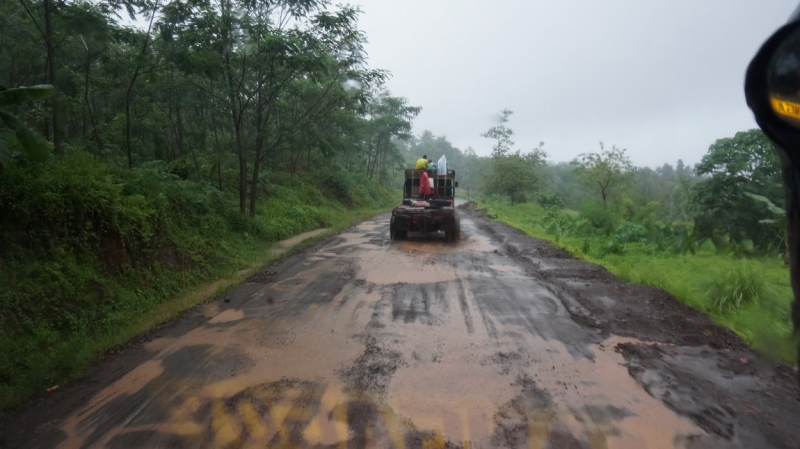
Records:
x=147, y=146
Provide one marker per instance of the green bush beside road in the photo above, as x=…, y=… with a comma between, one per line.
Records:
x=88, y=249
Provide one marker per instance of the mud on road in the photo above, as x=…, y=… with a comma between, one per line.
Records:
x=500, y=340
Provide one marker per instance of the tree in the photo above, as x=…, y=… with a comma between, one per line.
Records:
x=606, y=170
x=139, y=61
x=734, y=167
x=230, y=92
x=437, y=146
x=56, y=21
x=46, y=31
x=501, y=134
x=515, y=175
x=511, y=174
x=388, y=117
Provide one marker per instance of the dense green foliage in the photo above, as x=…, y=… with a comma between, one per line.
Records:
x=723, y=210
x=15, y=132
x=605, y=171
x=511, y=174
x=88, y=247
x=251, y=88
x=169, y=154
x=730, y=199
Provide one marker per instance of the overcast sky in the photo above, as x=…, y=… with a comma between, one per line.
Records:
x=663, y=79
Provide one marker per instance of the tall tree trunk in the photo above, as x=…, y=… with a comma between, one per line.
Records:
x=234, y=106
x=51, y=75
x=237, y=127
x=242, y=174
x=216, y=138
x=369, y=158
x=260, y=124
x=172, y=131
x=184, y=139
x=179, y=127
x=128, y=128
x=254, y=187
x=256, y=167
x=242, y=161
x=88, y=106
x=129, y=92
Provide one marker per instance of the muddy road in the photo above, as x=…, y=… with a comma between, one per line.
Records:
x=499, y=340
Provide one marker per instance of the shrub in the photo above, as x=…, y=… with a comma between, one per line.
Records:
x=599, y=220
x=612, y=247
x=558, y=221
x=734, y=286
x=181, y=168
x=548, y=200
x=337, y=183
x=86, y=247
x=628, y=232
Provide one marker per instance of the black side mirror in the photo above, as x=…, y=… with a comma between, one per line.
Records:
x=456, y=184
x=772, y=89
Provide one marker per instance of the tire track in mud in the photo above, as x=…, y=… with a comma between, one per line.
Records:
x=462, y=301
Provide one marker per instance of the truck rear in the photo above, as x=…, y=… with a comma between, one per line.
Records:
x=427, y=213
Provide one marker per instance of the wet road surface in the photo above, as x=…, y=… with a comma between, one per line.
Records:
x=364, y=342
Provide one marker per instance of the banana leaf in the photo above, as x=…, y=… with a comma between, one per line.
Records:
x=33, y=146
x=19, y=95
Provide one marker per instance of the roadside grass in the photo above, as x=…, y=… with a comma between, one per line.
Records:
x=92, y=255
x=751, y=296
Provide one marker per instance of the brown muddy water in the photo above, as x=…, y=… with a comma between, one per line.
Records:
x=364, y=342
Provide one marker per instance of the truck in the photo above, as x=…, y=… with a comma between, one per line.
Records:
x=434, y=214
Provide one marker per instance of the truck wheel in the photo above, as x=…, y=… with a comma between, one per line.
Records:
x=403, y=235
x=393, y=232
x=453, y=233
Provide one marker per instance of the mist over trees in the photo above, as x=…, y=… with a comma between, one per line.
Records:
x=732, y=198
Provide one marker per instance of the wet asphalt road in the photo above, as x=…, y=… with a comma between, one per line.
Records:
x=364, y=342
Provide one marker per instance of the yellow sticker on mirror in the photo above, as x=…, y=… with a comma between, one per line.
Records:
x=787, y=108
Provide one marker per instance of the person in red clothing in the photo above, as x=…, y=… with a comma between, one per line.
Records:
x=425, y=190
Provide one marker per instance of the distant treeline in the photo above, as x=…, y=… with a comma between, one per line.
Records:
x=734, y=197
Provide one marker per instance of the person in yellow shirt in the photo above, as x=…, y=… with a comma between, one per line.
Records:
x=422, y=163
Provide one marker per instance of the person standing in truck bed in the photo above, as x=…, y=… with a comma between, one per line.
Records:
x=425, y=190
x=422, y=163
